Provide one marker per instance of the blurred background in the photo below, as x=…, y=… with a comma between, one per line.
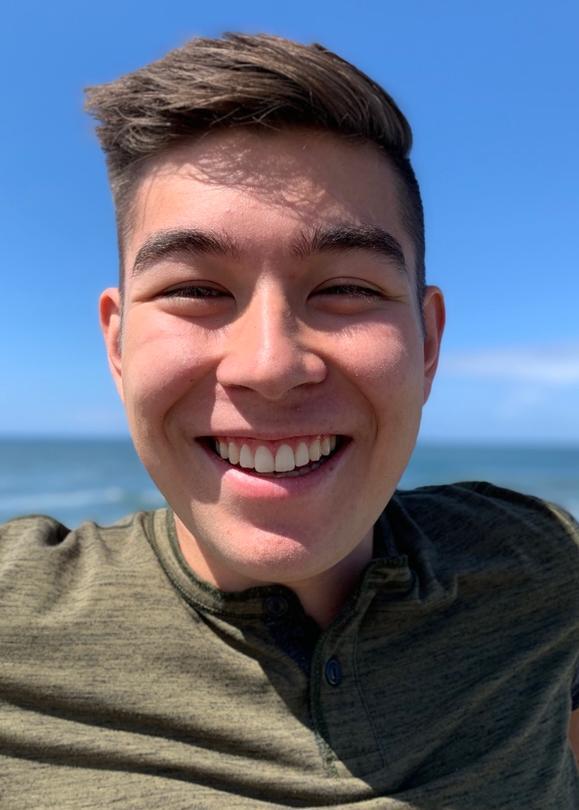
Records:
x=491, y=92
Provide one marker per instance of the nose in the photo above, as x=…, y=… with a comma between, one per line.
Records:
x=268, y=349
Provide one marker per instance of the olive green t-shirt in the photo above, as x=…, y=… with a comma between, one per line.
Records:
x=444, y=684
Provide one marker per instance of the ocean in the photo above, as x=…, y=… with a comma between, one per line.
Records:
x=102, y=479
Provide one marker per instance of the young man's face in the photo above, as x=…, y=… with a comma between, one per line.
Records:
x=266, y=306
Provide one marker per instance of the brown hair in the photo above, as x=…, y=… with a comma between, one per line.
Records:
x=241, y=80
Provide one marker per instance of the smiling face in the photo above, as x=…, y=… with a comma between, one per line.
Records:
x=270, y=319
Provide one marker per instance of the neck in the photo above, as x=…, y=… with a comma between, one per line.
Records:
x=322, y=595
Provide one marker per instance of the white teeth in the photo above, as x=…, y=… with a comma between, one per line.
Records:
x=315, y=450
x=246, y=457
x=284, y=459
x=264, y=462
x=233, y=453
x=302, y=455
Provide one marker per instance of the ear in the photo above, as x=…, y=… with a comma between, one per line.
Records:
x=110, y=313
x=434, y=319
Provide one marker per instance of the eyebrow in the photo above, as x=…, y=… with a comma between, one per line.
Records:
x=351, y=237
x=165, y=244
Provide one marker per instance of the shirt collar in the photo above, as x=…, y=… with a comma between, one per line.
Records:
x=390, y=570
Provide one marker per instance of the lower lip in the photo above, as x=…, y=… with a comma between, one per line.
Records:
x=256, y=485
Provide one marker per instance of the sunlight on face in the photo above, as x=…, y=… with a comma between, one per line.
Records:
x=270, y=300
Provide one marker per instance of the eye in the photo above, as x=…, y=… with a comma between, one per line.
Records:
x=351, y=290
x=195, y=291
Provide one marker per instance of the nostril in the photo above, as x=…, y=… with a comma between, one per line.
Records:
x=271, y=370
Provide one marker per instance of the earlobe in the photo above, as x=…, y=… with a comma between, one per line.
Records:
x=434, y=320
x=110, y=315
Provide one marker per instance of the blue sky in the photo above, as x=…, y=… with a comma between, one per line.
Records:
x=491, y=92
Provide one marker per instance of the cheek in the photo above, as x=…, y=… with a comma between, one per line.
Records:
x=387, y=369
x=386, y=363
x=161, y=362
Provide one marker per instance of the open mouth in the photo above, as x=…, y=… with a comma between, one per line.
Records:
x=280, y=459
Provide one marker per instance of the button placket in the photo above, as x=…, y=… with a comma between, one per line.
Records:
x=339, y=711
x=333, y=671
x=276, y=606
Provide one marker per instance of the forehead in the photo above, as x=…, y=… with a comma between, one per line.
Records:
x=263, y=188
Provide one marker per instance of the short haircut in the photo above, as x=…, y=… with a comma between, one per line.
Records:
x=258, y=81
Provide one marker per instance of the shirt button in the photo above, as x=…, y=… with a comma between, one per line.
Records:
x=276, y=606
x=333, y=672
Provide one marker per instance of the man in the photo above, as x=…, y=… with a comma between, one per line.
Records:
x=291, y=631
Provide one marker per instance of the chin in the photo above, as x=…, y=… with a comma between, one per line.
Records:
x=280, y=553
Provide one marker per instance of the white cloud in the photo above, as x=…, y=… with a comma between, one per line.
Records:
x=546, y=365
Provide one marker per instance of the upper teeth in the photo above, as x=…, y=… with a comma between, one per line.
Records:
x=281, y=458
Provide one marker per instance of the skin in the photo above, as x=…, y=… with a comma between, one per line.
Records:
x=276, y=358
x=283, y=346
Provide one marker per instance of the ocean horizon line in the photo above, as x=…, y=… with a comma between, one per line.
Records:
x=476, y=443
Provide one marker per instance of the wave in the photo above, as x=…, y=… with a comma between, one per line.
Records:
x=42, y=501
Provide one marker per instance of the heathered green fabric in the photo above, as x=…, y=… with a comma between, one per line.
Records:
x=125, y=682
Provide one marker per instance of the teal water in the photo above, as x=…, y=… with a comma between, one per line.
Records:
x=102, y=479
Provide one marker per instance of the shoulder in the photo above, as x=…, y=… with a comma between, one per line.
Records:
x=486, y=519
x=25, y=541
x=41, y=536
x=40, y=558
x=35, y=530
x=476, y=501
